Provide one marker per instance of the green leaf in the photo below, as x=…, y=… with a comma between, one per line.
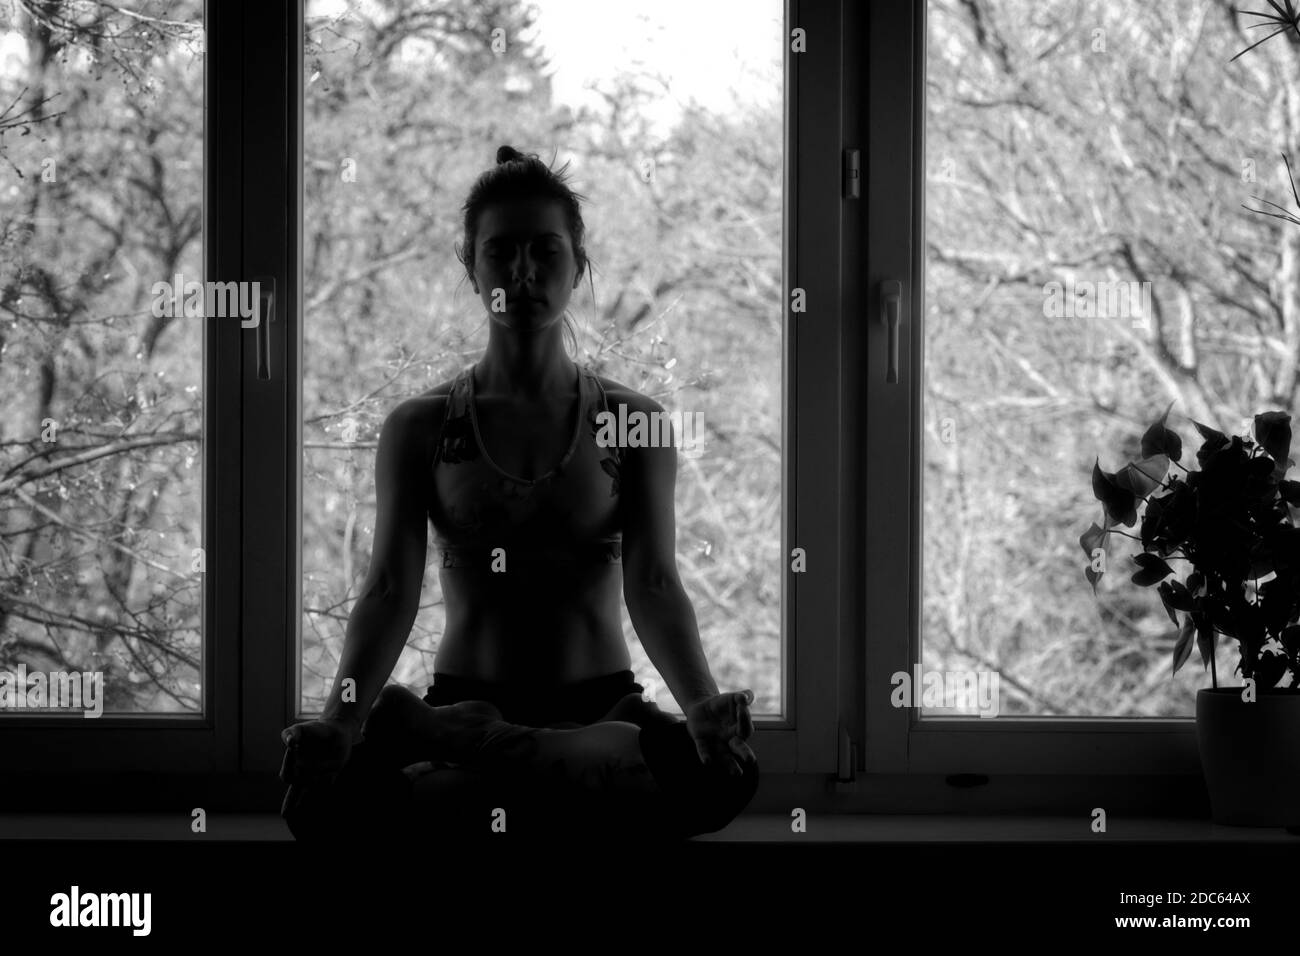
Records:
x=1119, y=504
x=1261, y=560
x=1164, y=599
x=1290, y=492
x=1176, y=596
x=1261, y=478
x=1145, y=476
x=1273, y=432
x=1205, y=642
x=1092, y=539
x=1214, y=440
x=1183, y=646
x=1220, y=617
x=1208, y=433
x=1160, y=440
x=1153, y=521
x=1152, y=570
x=1092, y=576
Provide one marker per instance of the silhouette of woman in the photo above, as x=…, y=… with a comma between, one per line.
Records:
x=534, y=710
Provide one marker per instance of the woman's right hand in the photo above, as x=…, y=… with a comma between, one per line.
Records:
x=316, y=749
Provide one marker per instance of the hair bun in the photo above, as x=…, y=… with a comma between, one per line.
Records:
x=506, y=154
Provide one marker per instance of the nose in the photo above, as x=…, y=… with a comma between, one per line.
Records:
x=524, y=270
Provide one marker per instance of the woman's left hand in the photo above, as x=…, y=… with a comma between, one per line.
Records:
x=720, y=725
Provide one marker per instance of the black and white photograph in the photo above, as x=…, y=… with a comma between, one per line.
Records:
x=817, y=471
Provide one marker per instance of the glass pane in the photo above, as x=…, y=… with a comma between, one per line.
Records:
x=101, y=199
x=670, y=118
x=1088, y=263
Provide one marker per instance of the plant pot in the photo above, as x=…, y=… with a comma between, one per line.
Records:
x=1250, y=755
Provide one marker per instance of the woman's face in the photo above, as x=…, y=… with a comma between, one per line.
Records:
x=523, y=249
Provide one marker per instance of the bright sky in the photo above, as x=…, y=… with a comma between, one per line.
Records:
x=702, y=46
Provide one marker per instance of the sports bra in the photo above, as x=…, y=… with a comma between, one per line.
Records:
x=570, y=514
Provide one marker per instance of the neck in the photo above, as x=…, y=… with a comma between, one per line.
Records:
x=525, y=365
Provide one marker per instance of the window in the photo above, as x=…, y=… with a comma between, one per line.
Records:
x=280, y=416
x=108, y=558
x=671, y=127
x=1077, y=259
x=691, y=275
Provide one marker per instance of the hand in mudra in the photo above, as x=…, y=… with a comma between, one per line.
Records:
x=720, y=725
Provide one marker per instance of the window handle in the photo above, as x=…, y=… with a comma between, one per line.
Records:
x=891, y=311
x=265, y=316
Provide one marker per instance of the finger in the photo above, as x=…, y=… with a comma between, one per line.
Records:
x=746, y=723
x=740, y=708
x=703, y=752
x=716, y=755
x=742, y=750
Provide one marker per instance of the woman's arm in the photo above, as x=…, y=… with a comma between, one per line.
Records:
x=657, y=603
x=382, y=617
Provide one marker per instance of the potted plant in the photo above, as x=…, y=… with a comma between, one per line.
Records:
x=1228, y=527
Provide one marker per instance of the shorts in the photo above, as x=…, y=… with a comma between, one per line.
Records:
x=539, y=705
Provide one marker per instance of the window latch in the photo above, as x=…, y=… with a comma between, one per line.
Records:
x=891, y=311
x=265, y=316
x=852, y=173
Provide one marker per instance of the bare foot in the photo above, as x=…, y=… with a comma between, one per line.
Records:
x=406, y=730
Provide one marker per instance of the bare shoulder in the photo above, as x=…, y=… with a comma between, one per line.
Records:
x=417, y=418
x=620, y=394
x=646, y=455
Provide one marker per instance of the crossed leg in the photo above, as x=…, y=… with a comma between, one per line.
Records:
x=604, y=756
x=634, y=770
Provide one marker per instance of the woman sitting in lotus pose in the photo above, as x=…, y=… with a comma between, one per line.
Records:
x=538, y=525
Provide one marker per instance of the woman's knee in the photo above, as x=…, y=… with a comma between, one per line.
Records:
x=721, y=800
x=366, y=798
x=701, y=799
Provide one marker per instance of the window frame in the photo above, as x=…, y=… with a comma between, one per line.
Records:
x=899, y=741
x=176, y=745
x=253, y=152
x=803, y=738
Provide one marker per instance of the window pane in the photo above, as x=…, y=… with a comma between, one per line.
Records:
x=1088, y=263
x=670, y=116
x=101, y=139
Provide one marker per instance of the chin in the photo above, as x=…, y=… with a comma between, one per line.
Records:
x=525, y=321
